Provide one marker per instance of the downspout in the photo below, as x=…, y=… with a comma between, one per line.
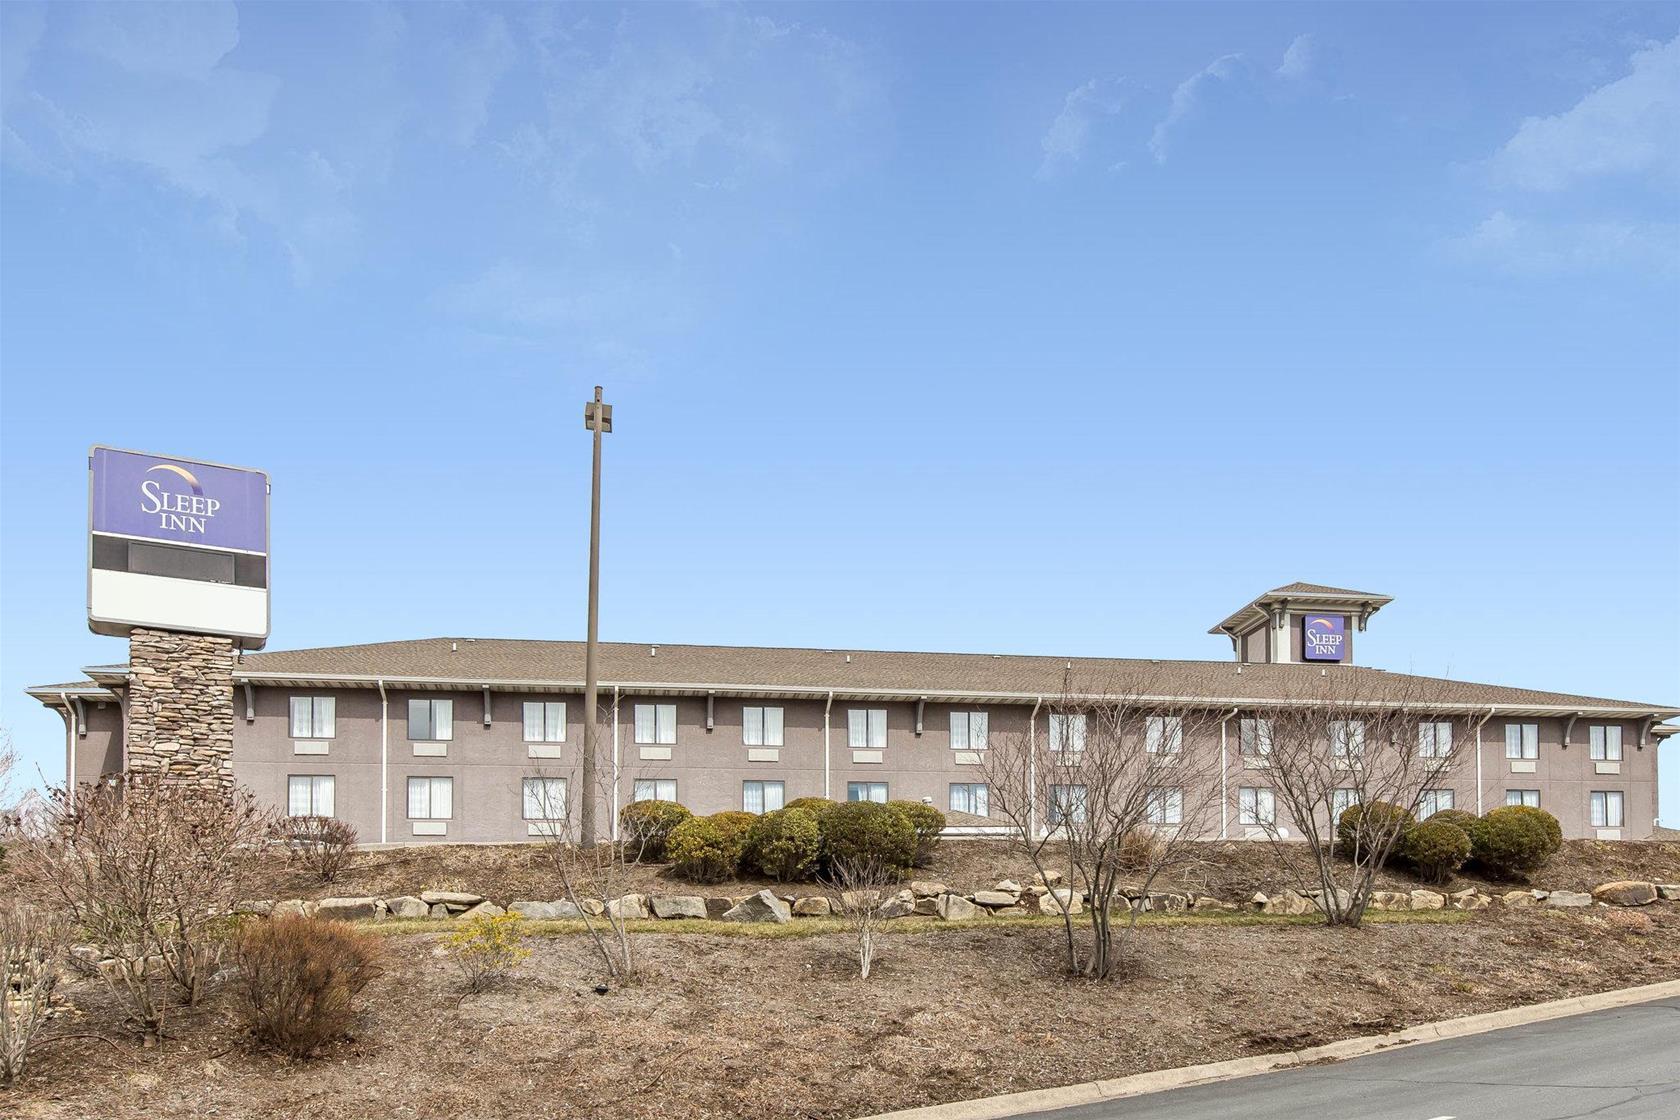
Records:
x=828, y=707
x=384, y=761
x=1032, y=768
x=69, y=744
x=1224, y=778
x=1479, y=725
x=615, y=784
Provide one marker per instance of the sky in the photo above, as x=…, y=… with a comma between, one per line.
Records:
x=1040, y=329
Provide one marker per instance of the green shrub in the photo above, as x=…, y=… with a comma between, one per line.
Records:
x=708, y=849
x=784, y=843
x=1362, y=829
x=862, y=832
x=1436, y=848
x=1511, y=841
x=815, y=805
x=928, y=823
x=1554, y=831
x=646, y=826
x=1460, y=817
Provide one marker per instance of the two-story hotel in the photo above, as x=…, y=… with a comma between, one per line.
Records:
x=464, y=739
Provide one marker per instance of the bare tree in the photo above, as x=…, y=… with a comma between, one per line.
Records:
x=32, y=945
x=860, y=889
x=1106, y=795
x=1361, y=739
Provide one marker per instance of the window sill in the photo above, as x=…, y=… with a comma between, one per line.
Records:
x=968, y=758
x=764, y=754
x=1607, y=834
x=310, y=746
x=431, y=750
x=1523, y=765
x=545, y=828
x=430, y=828
x=545, y=750
x=1607, y=768
x=654, y=754
x=869, y=757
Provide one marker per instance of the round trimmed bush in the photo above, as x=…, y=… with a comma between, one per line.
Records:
x=1365, y=828
x=1511, y=841
x=859, y=832
x=1463, y=818
x=648, y=825
x=784, y=843
x=708, y=849
x=1554, y=831
x=816, y=805
x=1436, y=848
x=928, y=824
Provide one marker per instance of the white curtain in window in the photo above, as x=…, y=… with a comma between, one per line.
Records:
x=301, y=717
x=667, y=727
x=1163, y=734
x=1255, y=737
x=959, y=731
x=646, y=723
x=1606, y=740
x=752, y=726
x=752, y=797
x=322, y=791
x=772, y=796
x=533, y=713
x=1607, y=809
x=326, y=717
x=419, y=798
x=298, y=796
x=443, y=719
x=877, y=729
x=545, y=799
x=643, y=790
x=772, y=727
x=443, y=796
x=979, y=730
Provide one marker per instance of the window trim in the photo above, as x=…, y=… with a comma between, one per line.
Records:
x=1522, y=797
x=763, y=785
x=658, y=707
x=430, y=779
x=524, y=723
x=764, y=711
x=524, y=798
x=869, y=721
x=969, y=788
x=1601, y=797
x=635, y=783
x=1067, y=722
x=1243, y=812
x=885, y=791
x=1598, y=743
x=330, y=779
x=432, y=703
x=969, y=716
x=314, y=716
x=1528, y=747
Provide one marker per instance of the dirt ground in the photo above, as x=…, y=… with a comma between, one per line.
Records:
x=743, y=1026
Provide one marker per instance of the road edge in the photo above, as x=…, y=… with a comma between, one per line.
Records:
x=1092, y=1092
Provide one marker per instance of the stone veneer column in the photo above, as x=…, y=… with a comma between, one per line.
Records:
x=180, y=707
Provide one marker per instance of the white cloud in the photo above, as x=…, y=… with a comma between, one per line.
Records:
x=1065, y=141
x=1188, y=96
x=1629, y=127
x=1548, y=248
x=1298, y=59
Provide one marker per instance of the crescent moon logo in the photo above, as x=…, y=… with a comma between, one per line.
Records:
x=183, y=472
x=1320, y=622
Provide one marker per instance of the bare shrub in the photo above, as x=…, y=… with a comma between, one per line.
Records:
x=322, y=845
x=487, y=948
x=860, y=890
x=32, y=945
x=300, y=977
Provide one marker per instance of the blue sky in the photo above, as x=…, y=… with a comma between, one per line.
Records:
x=1040, y=329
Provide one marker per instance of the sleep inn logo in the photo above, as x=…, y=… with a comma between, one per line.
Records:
x=174, y=510
x=1324, y=637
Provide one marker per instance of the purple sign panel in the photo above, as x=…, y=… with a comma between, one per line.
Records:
x=1324, y=637
x=178, y=500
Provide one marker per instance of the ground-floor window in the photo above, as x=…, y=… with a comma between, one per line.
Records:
x=309, y=795
x=1528, y=797
x=1166, y=806
x=969, y=797
x=1606, y=806
x=867, y=791
x=1341, y=800
x=654, y=789
x=761, y=797
x=1067, y=803
x=431, y=799
x=1433, y=801
x=544, y=799
x=1256, y=806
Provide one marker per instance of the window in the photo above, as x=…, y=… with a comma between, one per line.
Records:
x=1166, y=806
x=431, y=720
x=1067, y=731
x=1256, y=807
x=1606, y=742
x=313, y=717
x=654, y=789
x=969, y=730
x=1255, y=737
x=969, y=797
x=867, y=791
x=656, y=723
x=1522, y=740
x=761, y=797
x=545, y=798
x=1163, y=734
x=1341, y=800
x=309, y=795
x=1435, y=739
x=761, y=727
x=1606, y=806
x=1433, y=801
x=431, y=799
x=866, y=728
x=1067, y=803
x=545, y=721
x=1528, y=797
x=1347, y=740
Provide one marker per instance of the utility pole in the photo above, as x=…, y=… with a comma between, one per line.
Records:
x=597, y=417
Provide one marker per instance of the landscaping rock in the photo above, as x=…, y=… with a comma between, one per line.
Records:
x=1569, y=899
x=678, y=906
x=1391, y=900
x=1206, y=903
x=1012, y=912
x=1522, y=898
x=348, y=909
x=1009, y=885
x=535, y=911
x=632, y=907
x=1055, y=901
x=1626, y=892
x=565, y=908
x=1669, y=891
x=956, y=908
x=1289, y=903
x=1428, y=900
x=717, y=907
x=927, y=907
x=996, y=899
x=814, y=906
x=455, y=900
x=761, y=907
x=921, y=888
x=483, y=910
x=592, y=907
x=1048, y=878
x=437, y=910
x=406, y=906
x=1172, y=902
x=290, y=908
x=896, y=907
x=1259, y=901
x=261, y=907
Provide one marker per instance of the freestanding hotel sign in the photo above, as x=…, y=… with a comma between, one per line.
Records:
x=177, y=544
x=1324, y=637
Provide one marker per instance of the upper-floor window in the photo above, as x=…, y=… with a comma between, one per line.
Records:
x=1528, y=797
x=1347, y=740
x=313, y=717
x=1163, y=734
x=1256, y=806
x=309, y=795
x=654, y=789
x=1067, y=803
x=431, y=799
x=761, y=797
x=969, y=797
x=1067, y=731
x=656, y=723
x=545, y=721
x=866, y=728
x=431, y=720
x=1166, y=806
x=867, y=791
x=1605, y=742
x=544, y=798
x=761, y=726
x=1522, y=740
x=1255, y=737
x=1341, y=800
x=1435, y=739
x=969, y=731
x=1433, y=801
x=1606, y=808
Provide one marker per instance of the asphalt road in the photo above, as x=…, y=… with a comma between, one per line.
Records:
x=1609, y=1065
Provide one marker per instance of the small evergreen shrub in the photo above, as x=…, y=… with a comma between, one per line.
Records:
x=1436, y=848
x=708, y=849
x=1554, y=831
x=815, y=805
x=1463, y=818
x=784, y=844
x=487, y=948
x=1363, y=829
x=300, y=978
x=1511, y=841
x=646, y=827
x=928, y=824
x=858, y=833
